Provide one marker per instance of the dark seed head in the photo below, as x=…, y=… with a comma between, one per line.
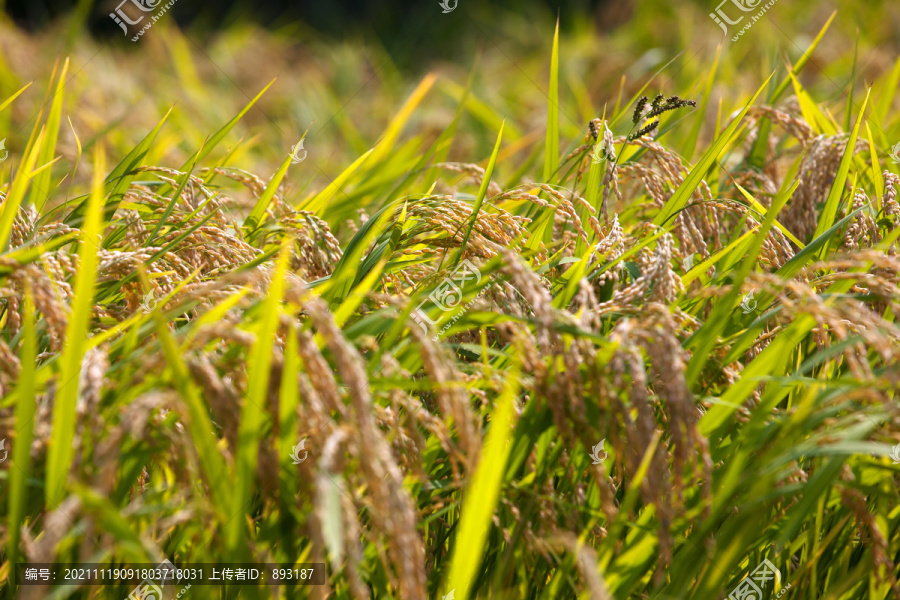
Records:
x=639, y=109
x=644, y=131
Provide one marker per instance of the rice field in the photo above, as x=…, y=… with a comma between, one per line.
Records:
x=584, y=312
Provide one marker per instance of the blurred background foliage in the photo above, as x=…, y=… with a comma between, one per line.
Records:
x=343, y=69
x=352, y=75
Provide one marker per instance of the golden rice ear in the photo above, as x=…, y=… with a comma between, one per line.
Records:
x=642, y=404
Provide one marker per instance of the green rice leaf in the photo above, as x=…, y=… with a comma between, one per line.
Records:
x=41, y=185
x=10, y=100
x=61, y=452
x=830, y=211
x=253, y=411
x=26, y=406
x=482, y=192
x=262, y=203
x=551, y=147
x=16, y=194
x=481, y=495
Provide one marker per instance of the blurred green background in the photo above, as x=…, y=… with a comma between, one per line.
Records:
x=344, y=69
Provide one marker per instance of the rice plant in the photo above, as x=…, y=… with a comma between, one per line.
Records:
x=648, y=352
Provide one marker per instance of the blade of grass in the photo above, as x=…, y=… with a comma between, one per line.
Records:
x=830, y=211
x=801, y=62
x=26, y=405
x=762, y=211
x=175, y=197
x=317, y=203
x=289, y=398
x=789, y=270
x=41, y=185
x=572, y=280
x=16, y=194
x=199, y=424
x=700, y=269
x=384, y=147
x=10, y=100
x=704, y=340
x=811, y=112
x=39, y=119
x=346, y=273
x=482, y=493
x=482, y=192
x=592, y=194
x=877, y=174
x=262, y=203
x=61, y=451
x=253, y=415
x=551, y=147
x=607, y=552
